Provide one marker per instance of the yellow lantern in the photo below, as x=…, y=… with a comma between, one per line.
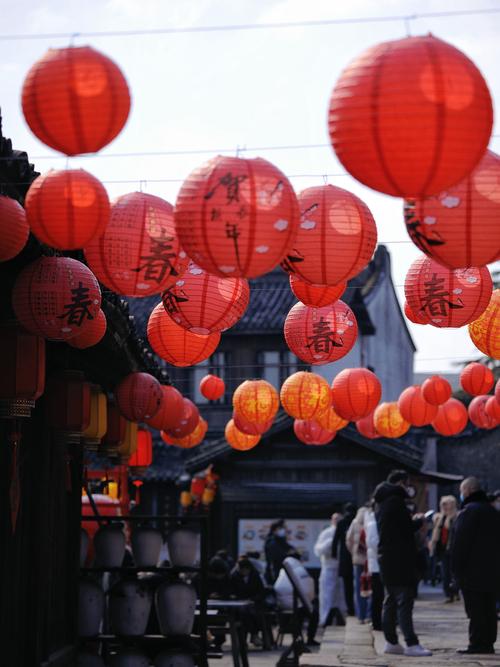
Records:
x=113, y=490
x=257, y=401
x=239, y=440
x=186, y=499
x=129, y=444
x=330, y=420
x=389, y=422
x=98, y=425
x=305, y=395
x=208, y=496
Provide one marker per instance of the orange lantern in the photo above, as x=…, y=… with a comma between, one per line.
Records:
x=492, y=409
x=75, y=100
x=238, y=440
x=451, y=418
x=389, y=422
x=367, y=428
x=321, y=335
x=67, y=209
x=68, y=402
x=459, y=227
x=336, y=236
x=497, y=391
x=478, y=415
x=305, y=395
x=142, y=458
x=56, y=297
x=311, y=433
x=139, y=396
x=170, y=410
x=256, y=401
x=476, y=379
x=414, y=408
x=186, y=499
x=436, y=390
x=193, y=439
x=355, y=393
x=330, y=420
x=92, y=334
x=203, y=303
x=175, y=344
x=14, y=229
x=251, y=428
x=139, y=253
x=444, y=297
x=316, y=295
x=410, y=154
x=485, y=331
x=187, y=420
x=212, y=387
x=413, y=317
x=237, y=217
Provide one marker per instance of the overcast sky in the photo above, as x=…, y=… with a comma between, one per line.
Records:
x=255, y=88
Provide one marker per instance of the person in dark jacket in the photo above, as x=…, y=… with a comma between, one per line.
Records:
x=276, y=549
x=398, y=559
x=343, y=555
x=246, y=584
x=475, y=561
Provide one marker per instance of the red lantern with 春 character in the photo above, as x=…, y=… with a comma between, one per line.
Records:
x=256, y=401
x=316, y=295
x=311, y=433
x=212, y=387
x=485, y=331
x=413, y=317
x=239, y=440
x=476, y=379
x=251, y=428
x=237, y=217
x=389, y=422
x=142, y=458
x=451, y=418
x=446, y=133
x=355, y=393
x=170, y=410
x=139, y=396
x=436, y=390
x=330, y=420
x=366, y=427
x=478, y=414
x=92, y=334
x=305, y=395
x=14, y=228
x=414, y=408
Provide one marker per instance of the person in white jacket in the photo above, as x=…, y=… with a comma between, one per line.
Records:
x=371, y=531
x=331, y=586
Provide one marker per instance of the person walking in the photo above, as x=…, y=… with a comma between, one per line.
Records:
x=331, y=586
x=371, y=530
x=276, y=549
x=356, y=544
x=398, y=563
x=475, y=559
x=440, y=543
x=341, y=553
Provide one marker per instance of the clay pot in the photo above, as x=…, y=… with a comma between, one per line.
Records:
x=129, y=606
x=183, y=547
x=170, y=659
x=129, y=657
x=109, y=544
x=85, y=659
x=146, y=546
x=90, y=608
x=84, y=546
x=175, y=607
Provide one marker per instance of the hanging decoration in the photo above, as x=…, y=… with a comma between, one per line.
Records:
x=251, y=428
x=193, y=439
x=485, y=331
x=98, y=424
x=305, y=395
x=413, y=317
x=492, y=409
x=139, y=396
x=436, y=390
x=355, y=393
x=128, y=446
x=237, y=217
x=14, y=228
x=446, y=133
x=414, y=408
x=311, y=433
x=212, y=387
x=451, y=418
x=257, y=401
x=75, y=100
x=330, y=420
x=478, y=415
x=187, y=420
x=497, y=390
x=388, y=421
x=316, y=296
x=239, y=440
x=476, y=379
x=116, y=430
x=320, y=335
x=444, y=297
x=171, y=408
x=177, y=345
x=336, y=236
x=142, y=458
x=366, y=427
x=92, y=334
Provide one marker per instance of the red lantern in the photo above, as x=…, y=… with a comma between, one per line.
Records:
x=497, y=391
x=68, y=402
x=388, y=421
x=139, y=396
x=414, y=408
x=436, y=390
x=451, y=418
x=330, y=420
x=446, y=133
x=237, y=217
x=212, y=387
x=311, y=433
x=256, y=401
x=187, y=420
x=478, y=415
x=14, y=229
x=203, y=303
x=459, y=227
x=197, y=487
x=170, y=410
x=305, y=395
x=336, y=237
x=321, y=335
x=175, y=344
x=92, y=334
x=67, y=209
x=476, y=379
x=56, y=297
x=413, y=317
x=238, y=440
x=366, y=427
x=316, y=295
x=492, y=409
x=485, y=331
x=193, y=439
x=355, y=393
x=75, y=100
x=444, y=297
x=139, y=253
x=251, y=428
x=142, y=458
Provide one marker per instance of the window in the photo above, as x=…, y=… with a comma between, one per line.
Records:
x=216, y=365
x=276, y=366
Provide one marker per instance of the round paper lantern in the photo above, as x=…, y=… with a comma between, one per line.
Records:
x=492, y=409
x=170, y=409
x=256, y=401
x=459, y=227
x=355, y=393
x=251, y=428
x=447, y=298
x=175, y=344
x=212, y=387
x=236, y=216
x=388, y=421
x=476, y=379
x=142, y=458
x=139, y=253
x=413, y=317
x=14, y=229
x=239, y=440
x=92, y=334
x=187, y=420
x=75, y=100
x=188, y=441
x=497, y=391
x=305, y=395
x=436, y=390
x=367, y=428
x=56, y=297
x=311, y=433
x=321, y=335
x=410, y=154
x=336, y=237
x=139, y=396
x=451, y=418
x=316, y=295
x=485, y=331
x=478, y=415
x=330, y=420
x=414, y=408
x=203, y=303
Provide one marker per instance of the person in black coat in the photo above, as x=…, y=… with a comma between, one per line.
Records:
x=246, y=584
x=398, y=559
x=475, y=558
x=276, y=549
x=343, y=555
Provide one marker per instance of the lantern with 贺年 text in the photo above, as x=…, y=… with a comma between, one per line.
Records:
x=305, y=395
x=389, y=422
x=256, y=401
